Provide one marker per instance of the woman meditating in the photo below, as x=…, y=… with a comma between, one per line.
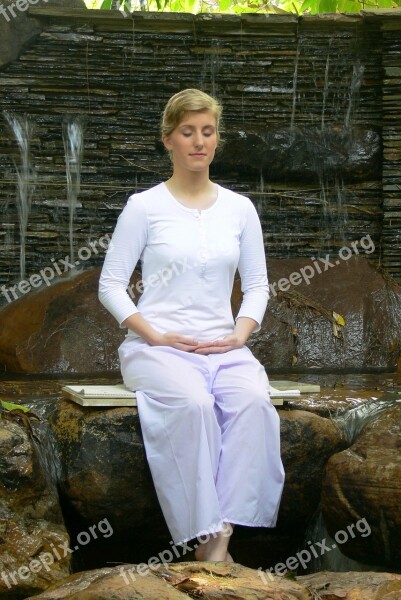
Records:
x=211, y=434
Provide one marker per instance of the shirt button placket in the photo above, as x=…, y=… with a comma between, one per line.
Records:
x=203, y=253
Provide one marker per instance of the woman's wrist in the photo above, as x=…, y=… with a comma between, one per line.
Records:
x=244, y=326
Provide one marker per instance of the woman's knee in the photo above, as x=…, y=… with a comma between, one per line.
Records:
x=200, y=401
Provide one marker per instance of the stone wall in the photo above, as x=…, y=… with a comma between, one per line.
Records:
x=319, y=89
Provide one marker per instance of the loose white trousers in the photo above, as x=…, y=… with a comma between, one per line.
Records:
x=211, y=436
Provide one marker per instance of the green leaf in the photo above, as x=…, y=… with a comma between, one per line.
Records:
x=12, y=406
x=225, y=5
x=328, y=6
x=312, y=4
x=349, y=6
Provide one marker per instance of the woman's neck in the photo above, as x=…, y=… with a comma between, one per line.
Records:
x=197, y=189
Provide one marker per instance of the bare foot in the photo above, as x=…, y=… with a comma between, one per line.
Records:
x=210, y=554
x=229, y=558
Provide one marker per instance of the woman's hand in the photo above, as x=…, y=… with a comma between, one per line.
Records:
x=176, y=340
x=229, y=342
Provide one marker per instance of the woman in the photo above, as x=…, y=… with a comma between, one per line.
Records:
x=210, y=432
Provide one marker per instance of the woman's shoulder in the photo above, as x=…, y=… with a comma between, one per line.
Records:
x=240, y=201
x=148, y=195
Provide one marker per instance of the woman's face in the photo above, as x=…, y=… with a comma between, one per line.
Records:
x=193, y=142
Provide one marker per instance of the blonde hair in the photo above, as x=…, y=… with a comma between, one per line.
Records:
x=186, y=101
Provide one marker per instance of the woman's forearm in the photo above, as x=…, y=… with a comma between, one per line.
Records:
x=137, y=323
x=244, y=326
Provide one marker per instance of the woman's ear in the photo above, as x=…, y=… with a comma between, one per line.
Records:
x=166, y=142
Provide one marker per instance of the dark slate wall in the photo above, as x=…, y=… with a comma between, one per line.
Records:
x=313, y=85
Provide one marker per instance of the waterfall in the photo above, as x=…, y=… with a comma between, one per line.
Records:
x=294, y=84
x=73, y=148
x=22, y=129
x=355, y=85
x=353, y=421
x=333, y=560
x=326, y=85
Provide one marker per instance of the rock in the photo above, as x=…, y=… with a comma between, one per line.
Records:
x=18, y=31
x=299, y=332
x=105, y=474
x=307, y=443
x=63, y=328
x=353, y=585
x=175, y=582
x=31, y=524
x=60, y=329
x=364, y=482
x=300, y=154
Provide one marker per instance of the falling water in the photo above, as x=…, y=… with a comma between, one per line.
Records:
x=73, y=148
x=353, y=421
x=26, y=176
x=326, y=85
x=334, y=560
x=355, y=85
x=294, y=84
x=342, y=214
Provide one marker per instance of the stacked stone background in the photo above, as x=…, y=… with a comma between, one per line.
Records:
x=269, y=71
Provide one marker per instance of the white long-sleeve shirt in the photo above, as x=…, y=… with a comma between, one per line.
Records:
x=189, y=258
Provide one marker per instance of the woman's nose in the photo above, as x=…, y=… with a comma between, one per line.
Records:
x=198, y=140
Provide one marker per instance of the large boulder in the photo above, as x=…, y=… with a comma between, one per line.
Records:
x=105, y=474
x=33, y=535
x=213, y=581
x=64, y=329
x=176, y=582
x=364, y=482
x=353, y=585
x=303, y=329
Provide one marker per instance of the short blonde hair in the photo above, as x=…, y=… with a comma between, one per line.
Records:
x=186, y=101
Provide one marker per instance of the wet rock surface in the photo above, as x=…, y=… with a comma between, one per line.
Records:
x=299, y=331
x=176, y=581
x=17, y=30
x=300, y=154
x=65, y=329
x=353, y=585
x=32, y=530
x=60, y=329
x=105, y=474
x=365, y=480
x=224, y=580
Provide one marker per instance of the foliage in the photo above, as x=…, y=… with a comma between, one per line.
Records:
x=11, y=406
x=240, y=6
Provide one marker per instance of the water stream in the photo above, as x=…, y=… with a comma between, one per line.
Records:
x=73, y=140
x=22, y=129
x=294, y=84
x=355, y=85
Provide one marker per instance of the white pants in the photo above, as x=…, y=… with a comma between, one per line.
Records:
x=211, y=436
